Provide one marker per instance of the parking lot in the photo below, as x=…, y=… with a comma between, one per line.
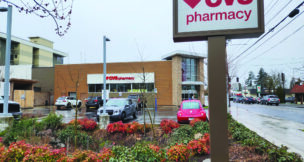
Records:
x=69, y=114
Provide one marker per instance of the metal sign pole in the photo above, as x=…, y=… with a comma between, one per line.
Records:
x=7, y=61
x=218, y=98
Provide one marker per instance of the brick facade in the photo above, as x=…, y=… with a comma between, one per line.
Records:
x=67, y=76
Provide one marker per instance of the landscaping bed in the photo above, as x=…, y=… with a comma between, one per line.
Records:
x=51, y=140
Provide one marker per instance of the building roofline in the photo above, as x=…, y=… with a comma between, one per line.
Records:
x=183, y=53
x=114, y=62
x=40, y=38
x=26, y=42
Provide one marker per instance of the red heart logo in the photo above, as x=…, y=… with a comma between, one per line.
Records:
x=192, y=3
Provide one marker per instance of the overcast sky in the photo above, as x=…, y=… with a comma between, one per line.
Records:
x=139, y=26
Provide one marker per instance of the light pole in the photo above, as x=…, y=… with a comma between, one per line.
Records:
x=105, y=39
x=7, y=58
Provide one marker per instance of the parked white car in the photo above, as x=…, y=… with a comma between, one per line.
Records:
x=13, y=108
x=67, y=102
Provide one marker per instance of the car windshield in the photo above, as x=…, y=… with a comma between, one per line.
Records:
x=117, y=103
x=61, y=98
x=191, y=105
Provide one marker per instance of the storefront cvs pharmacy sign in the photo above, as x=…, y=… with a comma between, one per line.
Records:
x=231, y=18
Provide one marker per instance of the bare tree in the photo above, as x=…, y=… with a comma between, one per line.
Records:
x=58, y=10
x=143, y=89
x=75, y=79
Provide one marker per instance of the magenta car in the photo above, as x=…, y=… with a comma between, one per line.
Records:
x=189, y=110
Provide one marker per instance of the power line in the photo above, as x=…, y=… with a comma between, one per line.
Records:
x=276, y=14
x=263, y=36
x=278, y=33
x=283, y=40
x=270, y=8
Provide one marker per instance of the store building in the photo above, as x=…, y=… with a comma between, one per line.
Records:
x=178, y=76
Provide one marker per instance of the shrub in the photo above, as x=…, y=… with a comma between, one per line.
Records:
x=85, y=124
x=200, y=127
x=168, y=125
x=52, y=121
x=179, y=152
x=143, y=152
x=201, y=146
x=154, y=148
x=86, y=155
x=83, y=139
x=182, y=134
x=121, y=153
x=117, y=127
x=20, y=151
x=19, y=130
x=249, y=138
x=105, y=154
x=195, y=120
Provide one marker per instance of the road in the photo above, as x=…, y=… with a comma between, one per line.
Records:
x=281, y=125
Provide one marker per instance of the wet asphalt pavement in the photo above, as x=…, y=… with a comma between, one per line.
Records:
x=281, y=125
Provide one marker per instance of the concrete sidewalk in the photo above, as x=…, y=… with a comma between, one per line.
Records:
x=275, y=130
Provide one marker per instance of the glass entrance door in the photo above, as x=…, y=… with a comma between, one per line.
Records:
x=190, y=92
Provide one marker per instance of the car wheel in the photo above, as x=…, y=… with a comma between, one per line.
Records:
x=134, y=115
x=123, y=116
x=69, y=105
x=277, y=104
x=79, y=104
x=58, y=107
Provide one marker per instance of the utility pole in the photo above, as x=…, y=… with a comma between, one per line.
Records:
x=283, y=80
x=7, y=59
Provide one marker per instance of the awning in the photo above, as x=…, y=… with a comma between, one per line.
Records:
x=192, y=83
x=297, y=89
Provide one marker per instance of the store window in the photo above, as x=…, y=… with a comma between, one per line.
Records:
x=120, y=87
x=189, y=69
x=92, y=87
x=143, y=87
x=134, y=87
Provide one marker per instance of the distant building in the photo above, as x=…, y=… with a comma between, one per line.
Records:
x=21, y=85
x=38, y=52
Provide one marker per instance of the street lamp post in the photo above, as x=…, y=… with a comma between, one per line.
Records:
x=105, y=39
x=7, y=58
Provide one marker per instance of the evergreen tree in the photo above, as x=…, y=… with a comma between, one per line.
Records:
x=292, y=83
x=262, y=78
x=250, y=79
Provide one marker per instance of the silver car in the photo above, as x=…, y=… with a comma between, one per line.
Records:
x=270, y=99
x=119, y=109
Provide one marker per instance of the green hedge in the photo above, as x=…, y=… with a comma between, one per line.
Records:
x=247, y=137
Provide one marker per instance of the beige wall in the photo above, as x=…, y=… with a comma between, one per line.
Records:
x=27, y=101
x=201, y=78
x=177, y=80
x=45, y=76
x=40, y=98
x=41, y=41
x=45, y=58
x=25, y=56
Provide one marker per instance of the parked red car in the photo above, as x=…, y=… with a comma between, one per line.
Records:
x=189, y=110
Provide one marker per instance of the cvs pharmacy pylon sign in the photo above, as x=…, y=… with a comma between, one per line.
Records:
x=198, y=19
